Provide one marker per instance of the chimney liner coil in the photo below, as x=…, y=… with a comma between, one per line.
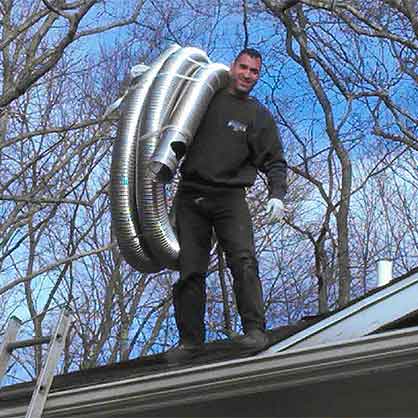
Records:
x=159, y=118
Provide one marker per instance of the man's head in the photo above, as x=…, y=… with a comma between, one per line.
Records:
x=245, y=72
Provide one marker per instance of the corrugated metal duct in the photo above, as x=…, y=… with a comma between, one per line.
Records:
x=160, y=115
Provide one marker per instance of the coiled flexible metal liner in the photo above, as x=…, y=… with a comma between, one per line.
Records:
x=160, y=115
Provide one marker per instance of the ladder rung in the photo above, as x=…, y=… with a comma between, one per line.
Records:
x=27, y=343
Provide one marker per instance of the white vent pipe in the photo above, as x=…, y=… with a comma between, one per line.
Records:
x=384, y=272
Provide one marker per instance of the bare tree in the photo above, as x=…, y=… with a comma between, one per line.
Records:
x=339, y=46
x=339, y=76
x=54, y=159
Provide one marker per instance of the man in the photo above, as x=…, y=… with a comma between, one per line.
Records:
x=236, y=137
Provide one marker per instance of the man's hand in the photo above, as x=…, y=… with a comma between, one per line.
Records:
x=275, y=210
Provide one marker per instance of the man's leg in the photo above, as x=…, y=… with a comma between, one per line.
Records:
x=194, y=231
x=233, y=227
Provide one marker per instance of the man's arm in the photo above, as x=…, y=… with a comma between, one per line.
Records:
x=268, y=156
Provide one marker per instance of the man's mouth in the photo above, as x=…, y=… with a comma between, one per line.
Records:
x=245, y=83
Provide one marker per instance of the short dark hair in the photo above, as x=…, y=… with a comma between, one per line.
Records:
x=253, y=53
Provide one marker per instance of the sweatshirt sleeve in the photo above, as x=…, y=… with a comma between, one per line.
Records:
x=267, y=154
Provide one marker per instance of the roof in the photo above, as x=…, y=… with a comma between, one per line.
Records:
x=213, y=352
x=303, y=382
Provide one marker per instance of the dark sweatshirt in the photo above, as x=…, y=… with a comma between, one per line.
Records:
x=236, y=137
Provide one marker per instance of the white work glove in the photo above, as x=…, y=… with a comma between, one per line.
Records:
x=275, y=210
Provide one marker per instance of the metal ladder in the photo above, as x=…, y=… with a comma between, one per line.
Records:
x=56, y=344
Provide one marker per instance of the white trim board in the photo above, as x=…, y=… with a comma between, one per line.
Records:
x=359, y=319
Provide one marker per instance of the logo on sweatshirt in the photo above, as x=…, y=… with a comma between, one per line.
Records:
x=237, y=126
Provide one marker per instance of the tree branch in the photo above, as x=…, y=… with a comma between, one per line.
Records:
x=58, y=263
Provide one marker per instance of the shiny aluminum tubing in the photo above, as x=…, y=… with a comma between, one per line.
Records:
x=125, y=220
x=151, y=201
x=160, y=117
x=183, y=123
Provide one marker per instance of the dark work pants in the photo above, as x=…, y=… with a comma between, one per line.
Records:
x=196, y=216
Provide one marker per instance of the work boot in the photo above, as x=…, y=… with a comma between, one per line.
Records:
x=254, y=339
x=183, y=352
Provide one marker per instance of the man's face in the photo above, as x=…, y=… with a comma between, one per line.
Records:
x=244, y=72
